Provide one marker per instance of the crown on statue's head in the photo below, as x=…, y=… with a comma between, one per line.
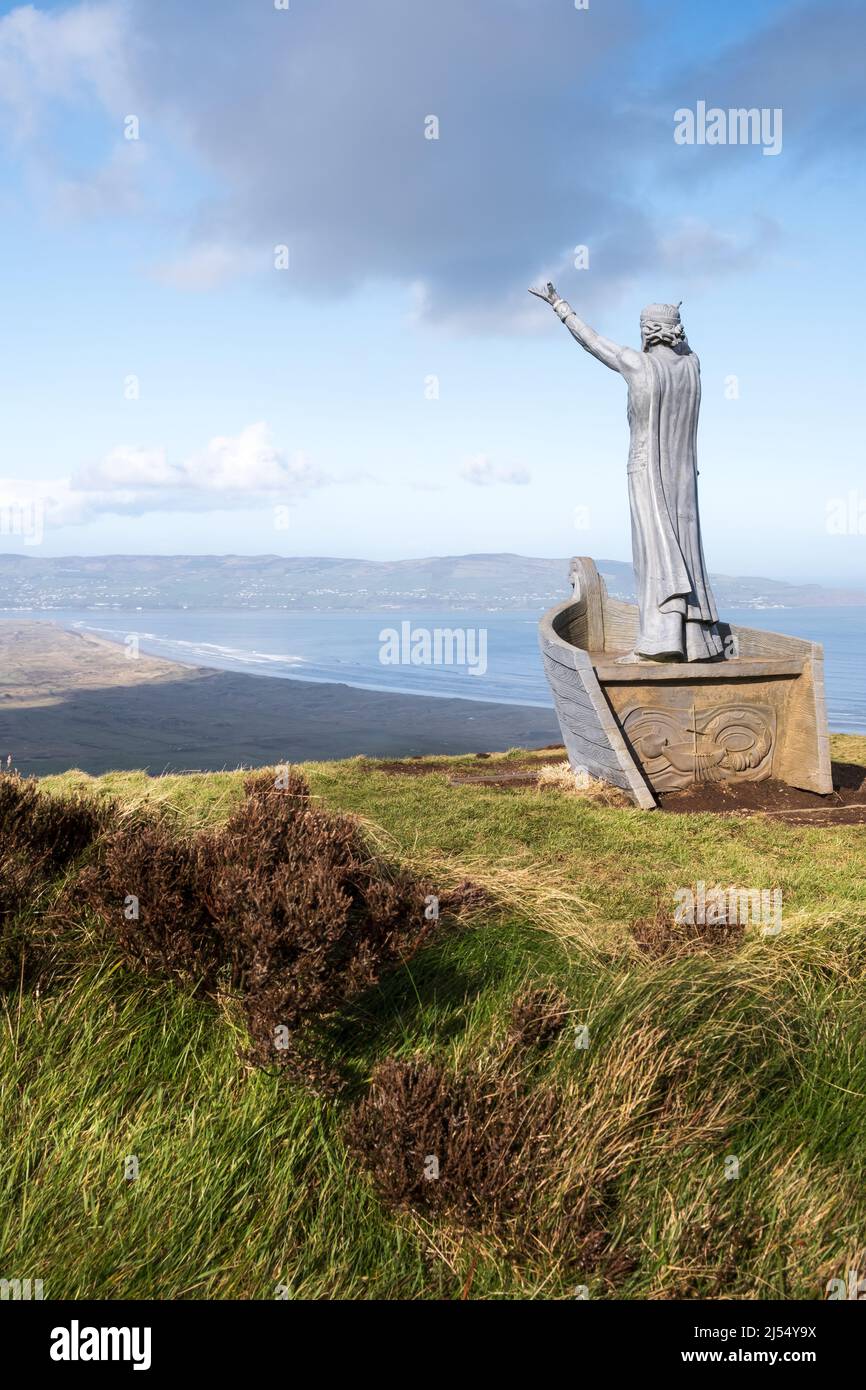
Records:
x=661, y=313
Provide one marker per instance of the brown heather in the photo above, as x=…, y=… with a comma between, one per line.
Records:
x=659, y=937
x=493, y=1129
x=538, y=1017
x=51, y=830
x=284, y=906
x=559, y=1165
x=40, y=836
x=492, y=1140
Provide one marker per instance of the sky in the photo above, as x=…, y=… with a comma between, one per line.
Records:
x=266, y=273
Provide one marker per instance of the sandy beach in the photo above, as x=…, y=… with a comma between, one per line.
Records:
x=76, y=701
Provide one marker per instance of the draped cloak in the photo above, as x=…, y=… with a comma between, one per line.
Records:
x=678, y=614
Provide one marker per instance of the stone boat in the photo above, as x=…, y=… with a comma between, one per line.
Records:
x=757, y=713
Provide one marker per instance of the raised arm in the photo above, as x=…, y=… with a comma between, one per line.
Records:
x=619, y=359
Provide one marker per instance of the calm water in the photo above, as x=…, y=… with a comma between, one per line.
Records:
x=346, y=647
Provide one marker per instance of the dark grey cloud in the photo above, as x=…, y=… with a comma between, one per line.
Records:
x=553, y=132
x=314, y=122
x=809, y=62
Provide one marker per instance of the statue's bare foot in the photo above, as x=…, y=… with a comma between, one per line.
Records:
x=641, y=659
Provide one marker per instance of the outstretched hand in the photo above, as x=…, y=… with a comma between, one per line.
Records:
x=549, y=292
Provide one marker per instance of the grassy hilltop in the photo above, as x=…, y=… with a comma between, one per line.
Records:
x=560, y=1166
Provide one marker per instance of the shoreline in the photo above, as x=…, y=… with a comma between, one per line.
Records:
x=72, y=700
x=306, y=648
x=117, y=640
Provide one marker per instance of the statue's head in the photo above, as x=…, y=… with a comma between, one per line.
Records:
x=661, y=323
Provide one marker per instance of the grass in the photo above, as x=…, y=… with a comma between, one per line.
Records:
x=700, y=1063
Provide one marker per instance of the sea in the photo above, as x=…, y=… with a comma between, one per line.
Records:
x=389, y=650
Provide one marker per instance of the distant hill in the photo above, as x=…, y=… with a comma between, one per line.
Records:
x=486, y=582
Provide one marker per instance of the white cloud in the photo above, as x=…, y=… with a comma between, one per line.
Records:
x=53, y=499
x=244, y=470
x=482, y=472
x=129, y=467
x=312, y=130
x=60, y=54
x=249, y=462
x=205, y=266
x=54, y=61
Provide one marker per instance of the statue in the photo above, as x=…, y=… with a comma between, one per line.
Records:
x=646, y=721
x=678, y=620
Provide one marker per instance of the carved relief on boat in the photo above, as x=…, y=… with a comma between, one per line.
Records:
x=679, y=747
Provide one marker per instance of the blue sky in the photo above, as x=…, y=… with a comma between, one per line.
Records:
x=262, y=394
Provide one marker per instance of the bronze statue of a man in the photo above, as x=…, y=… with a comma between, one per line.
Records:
x=678, y=617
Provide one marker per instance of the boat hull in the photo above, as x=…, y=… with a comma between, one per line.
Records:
x=655, y=727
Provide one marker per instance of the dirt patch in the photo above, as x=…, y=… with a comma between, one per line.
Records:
x=845, y=805
x=415, y=767
x=517, y=771
x=513, y=777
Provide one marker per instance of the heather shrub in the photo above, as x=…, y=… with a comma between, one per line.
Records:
x=283, y=905
x=537, y=1018
x=473, y=1147
x=16, y=883
x=145, y=886
x=307, y=916
x=54, y=830
x=660, y=937
x=39, y=837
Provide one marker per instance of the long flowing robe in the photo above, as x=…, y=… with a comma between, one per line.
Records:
x=678, y=614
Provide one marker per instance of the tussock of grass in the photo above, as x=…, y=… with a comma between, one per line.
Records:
x=848, y=748
x=563, y=778
x=514, y=889
x=645, y=1077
